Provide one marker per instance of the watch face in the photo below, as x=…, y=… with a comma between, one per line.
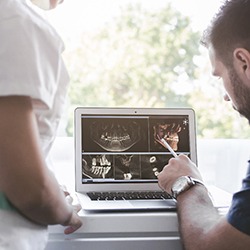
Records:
x=181, y=184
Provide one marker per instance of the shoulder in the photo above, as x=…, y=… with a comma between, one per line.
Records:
x=31, y=45
x=17, y=18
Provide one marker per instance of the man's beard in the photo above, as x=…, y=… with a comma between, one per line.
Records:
x=241, y=93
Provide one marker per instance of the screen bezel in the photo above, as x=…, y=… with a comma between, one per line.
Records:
x=121, y=186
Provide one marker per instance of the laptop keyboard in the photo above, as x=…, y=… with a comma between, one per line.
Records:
x=101, y=196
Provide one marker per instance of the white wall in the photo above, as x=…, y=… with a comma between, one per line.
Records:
x=223, y=162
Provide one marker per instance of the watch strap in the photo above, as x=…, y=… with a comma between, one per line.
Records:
x=196, y=181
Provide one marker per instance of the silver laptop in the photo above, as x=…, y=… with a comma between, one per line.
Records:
x=118, y=155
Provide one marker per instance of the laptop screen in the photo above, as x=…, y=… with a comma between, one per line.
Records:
x=127, y=148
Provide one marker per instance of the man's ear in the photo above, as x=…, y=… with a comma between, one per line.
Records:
x=242, y=61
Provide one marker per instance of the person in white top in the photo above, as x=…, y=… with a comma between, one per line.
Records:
x=33, y=85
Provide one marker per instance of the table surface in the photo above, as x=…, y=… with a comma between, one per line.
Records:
x=127, y=230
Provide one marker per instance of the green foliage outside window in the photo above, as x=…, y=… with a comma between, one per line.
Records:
x=148, y=58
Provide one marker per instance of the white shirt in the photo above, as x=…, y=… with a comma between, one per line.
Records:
x=30, y=65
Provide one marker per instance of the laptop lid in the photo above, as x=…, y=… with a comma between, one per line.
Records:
x=118, y=149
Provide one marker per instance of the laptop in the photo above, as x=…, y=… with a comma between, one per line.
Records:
x=118, y=155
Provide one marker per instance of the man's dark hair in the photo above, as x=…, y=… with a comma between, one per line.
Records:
x=229, y=29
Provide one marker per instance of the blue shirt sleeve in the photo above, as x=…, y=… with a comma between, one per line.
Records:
x=239, y=212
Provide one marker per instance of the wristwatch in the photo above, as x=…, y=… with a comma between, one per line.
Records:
x=182, y=184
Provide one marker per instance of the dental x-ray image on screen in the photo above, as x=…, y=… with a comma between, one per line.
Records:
x=126, y=148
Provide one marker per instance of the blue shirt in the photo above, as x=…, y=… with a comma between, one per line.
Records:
x=239, y=212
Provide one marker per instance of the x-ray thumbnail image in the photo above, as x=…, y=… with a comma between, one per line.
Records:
x=114, y=135
x=127, y=167
x=174, y=132
x=97, y=166
x=152, y=165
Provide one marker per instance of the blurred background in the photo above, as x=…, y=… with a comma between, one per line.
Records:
x=147, y=53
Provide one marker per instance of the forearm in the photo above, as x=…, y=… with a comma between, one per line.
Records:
x=197, y=218
x=201, y=226
x=48, y=205
x=24, y=177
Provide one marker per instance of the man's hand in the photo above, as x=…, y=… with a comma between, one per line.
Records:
x=176, y=167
